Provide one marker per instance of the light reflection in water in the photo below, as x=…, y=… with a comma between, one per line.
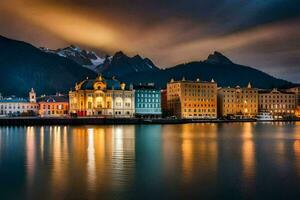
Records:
x=91, y=167
x=248, y=153
x=30, y=154
x=123, y=155
x=83, y=162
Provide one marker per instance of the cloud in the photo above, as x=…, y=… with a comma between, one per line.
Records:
x=167, y=32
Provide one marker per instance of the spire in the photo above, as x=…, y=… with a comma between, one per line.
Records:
x=183, y=78
x=212, y=80
x=100, y=77
x=249, y=85
x=32, y=96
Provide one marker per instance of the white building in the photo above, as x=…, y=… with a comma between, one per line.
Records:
x=13, y=106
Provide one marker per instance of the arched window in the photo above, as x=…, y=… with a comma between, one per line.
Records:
x=118, y=102
x=99, y=102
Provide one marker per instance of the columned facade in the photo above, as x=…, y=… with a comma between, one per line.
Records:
x=102, y=97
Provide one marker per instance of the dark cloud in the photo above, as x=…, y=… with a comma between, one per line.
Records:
x=264, y=34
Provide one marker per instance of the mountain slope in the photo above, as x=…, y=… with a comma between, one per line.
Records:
x=216, y=66
x=24, y=66
x=122, y=65
x=88, y=59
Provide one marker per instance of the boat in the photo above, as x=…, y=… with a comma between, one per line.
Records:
x=264, y=116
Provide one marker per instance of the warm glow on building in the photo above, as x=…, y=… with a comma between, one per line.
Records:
x=238, y=101
x=102, y=97
x=192, y=99
x=53, y=106
x=277, y=102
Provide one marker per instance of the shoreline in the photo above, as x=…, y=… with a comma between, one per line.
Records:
x=32, y=121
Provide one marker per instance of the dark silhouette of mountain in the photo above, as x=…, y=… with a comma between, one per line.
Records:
x=24, y=66
x=217, y=67
x=121, y=65
x=88, y=59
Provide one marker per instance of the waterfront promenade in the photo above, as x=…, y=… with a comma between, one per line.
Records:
x=21, y=121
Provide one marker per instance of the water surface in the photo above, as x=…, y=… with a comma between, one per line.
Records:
x=189, y=161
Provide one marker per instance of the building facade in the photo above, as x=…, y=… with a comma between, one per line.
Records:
x=279, y=103
x=164, y=103
x=147, y=101
x=13, y=106
x=296, y=90
x=105, y=97
x=53, y=106
x=192, y=99
x=238, y=102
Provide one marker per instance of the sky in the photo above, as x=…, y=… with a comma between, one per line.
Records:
x=264, y=34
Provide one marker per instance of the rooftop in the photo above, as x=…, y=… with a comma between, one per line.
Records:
x=53, y=99
x=13, y=100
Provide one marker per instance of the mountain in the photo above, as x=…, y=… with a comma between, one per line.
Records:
x=117, y=65
x=121, y=65
x=141, y=70
x=217, y=67
x=88, y=59
x=24, y=66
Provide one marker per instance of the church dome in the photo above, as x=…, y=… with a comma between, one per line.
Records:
x=100, y=83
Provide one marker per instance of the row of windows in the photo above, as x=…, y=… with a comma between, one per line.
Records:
x=238, y=96
x=17, y=107
x=58, y=107
x=148, y=100
x=118, y=104
x=57, y=112
x=243, y=91
x=240, y=105
x=275, y=106
x=147, y=95
x=200, y=110
x=281, y=101
x=141, y=105
x=199, y=94
x=199, y=105
x=199, y=99
x=237, y=101
x=107, y=94
x=276, y=96
x=199, y=115
x=233, y=111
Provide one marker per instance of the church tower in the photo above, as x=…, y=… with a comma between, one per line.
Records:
x=32, y=96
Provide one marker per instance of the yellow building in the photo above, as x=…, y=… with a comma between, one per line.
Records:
x=279, y=103
x=192, y=99
x=238, y=101
x=102, y=97
x=296, y=90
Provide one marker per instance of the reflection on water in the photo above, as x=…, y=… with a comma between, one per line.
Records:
x=151, y=161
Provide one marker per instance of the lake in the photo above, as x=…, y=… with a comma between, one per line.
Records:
x=186, y=161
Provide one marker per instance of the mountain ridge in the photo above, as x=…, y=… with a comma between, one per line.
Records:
x=51, y=72
x=25, y=66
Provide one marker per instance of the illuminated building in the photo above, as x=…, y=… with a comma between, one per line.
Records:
x=13, y=106
x=147, y=101
x=242, y=102
x=53, y=106
x=102, y=97
x=296, y=90
x=192, y=99
x=278, y=102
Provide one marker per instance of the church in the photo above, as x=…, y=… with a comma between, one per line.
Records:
x=106, y=97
